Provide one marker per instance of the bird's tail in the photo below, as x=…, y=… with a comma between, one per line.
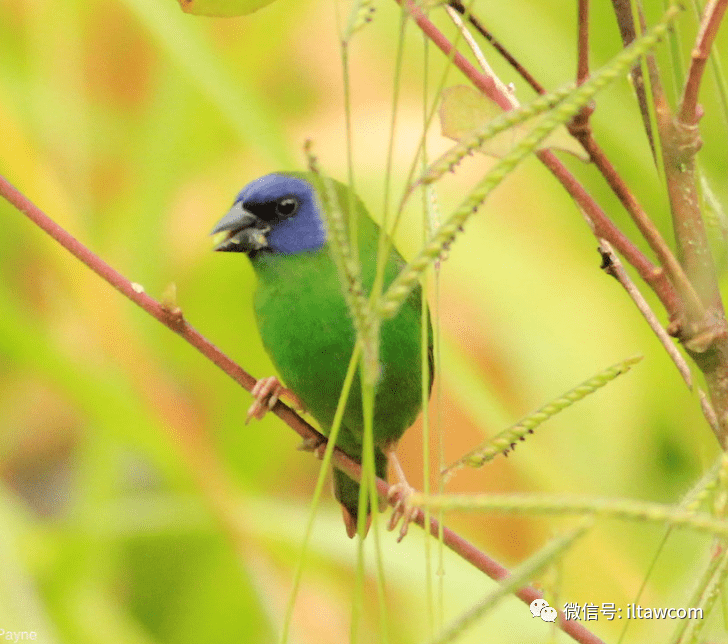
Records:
x=346, y=491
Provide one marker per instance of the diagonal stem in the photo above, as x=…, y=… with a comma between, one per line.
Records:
x=173, y=319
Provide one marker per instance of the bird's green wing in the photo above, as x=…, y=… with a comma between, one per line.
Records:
x=306, y=328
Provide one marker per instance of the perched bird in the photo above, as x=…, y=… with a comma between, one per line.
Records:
x=304, y=320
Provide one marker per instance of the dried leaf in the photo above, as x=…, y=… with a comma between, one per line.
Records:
x=464, y=109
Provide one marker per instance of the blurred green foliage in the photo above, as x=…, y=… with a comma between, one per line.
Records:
x=135, y=506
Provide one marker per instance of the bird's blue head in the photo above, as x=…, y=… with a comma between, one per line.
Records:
x=277, y=213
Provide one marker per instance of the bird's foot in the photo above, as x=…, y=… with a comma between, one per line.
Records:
x=315, y=445
x=399, y=493
x=266, y=392
x=398, y=496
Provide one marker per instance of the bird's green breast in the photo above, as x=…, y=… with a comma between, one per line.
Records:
x=306, y=328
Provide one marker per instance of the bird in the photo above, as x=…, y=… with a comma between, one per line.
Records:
x=305, y=325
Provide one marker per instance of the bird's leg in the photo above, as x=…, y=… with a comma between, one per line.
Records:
x=266, y=392
x=400, y=491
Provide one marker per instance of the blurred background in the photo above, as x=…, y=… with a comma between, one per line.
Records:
x=135, y=506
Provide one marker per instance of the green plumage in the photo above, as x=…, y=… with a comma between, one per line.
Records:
x=306, y=328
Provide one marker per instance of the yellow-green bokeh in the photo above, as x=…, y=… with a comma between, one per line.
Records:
x=135, y=506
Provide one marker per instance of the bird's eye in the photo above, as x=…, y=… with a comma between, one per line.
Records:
x=286, y=207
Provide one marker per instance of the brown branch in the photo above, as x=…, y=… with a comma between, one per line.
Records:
x=484, y=83
x=581, y=129
x=603, y=226
x=689, y=112
x=580, y=123
x=696, y=310
x=645, y=225
x=704, y=330
x=697, y=316
x=171, y=318
x=174, y=320
x=582, y=43
x=680, y=142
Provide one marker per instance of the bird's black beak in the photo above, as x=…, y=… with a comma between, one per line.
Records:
x=246, y=233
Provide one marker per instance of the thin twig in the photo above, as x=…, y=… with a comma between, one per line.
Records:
x=497, y=45
x=613, y=266
x=455, y=17
x=625, y=21
x=709, y=413
x=645, y=225
x=484, y=83
x=582, y=43
x=605, y=228
x=689, y=112
x=174, y=320
x=579, y=125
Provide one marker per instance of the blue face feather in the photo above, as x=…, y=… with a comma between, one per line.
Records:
x=276, y=213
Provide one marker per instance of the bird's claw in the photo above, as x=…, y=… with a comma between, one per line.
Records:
x=315, y=445
x=266, y=392
x=398, y=496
